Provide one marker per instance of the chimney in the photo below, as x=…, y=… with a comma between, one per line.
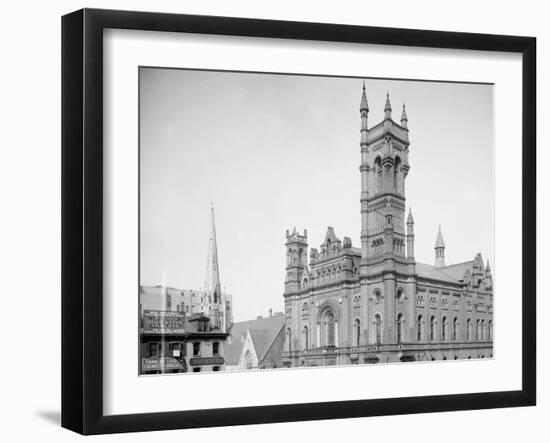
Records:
x=270, y=312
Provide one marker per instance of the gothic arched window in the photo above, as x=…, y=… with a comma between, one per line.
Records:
x=248, y=363
x=444, y=329
x=378, y=328
x=328, y=324
x=419, y=328
x=455, y=328
x=399, y=327
x=400, y=294
x=432, y=328
x=468, y=330
x=357, y=332
x=490, y=331
x=482, y=330
x=378, y=169
x=478, y=329
x=305, y=333
x=397, y=165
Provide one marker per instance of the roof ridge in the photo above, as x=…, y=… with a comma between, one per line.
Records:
x=272, y=343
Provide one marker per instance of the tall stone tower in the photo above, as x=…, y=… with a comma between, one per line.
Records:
x=387, y=270
x=384, y=168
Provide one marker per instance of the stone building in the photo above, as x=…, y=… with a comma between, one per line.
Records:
x=376, y=303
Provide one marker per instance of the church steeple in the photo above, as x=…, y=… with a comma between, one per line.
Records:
x=212, y=285
x=439, y=250
x=387, y=107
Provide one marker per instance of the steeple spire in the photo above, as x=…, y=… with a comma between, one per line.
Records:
x=212, y=284
x=439, y=250
x=387, y=108
x=404, y=118
x=364, y=102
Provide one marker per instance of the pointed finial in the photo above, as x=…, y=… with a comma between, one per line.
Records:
x=404, y=118
x=364, y=103
x=387, y=107
x=410, y=217
x=439, y=243
x=488, y=267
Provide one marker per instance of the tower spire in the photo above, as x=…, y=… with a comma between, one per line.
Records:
x=364, y=168
x=212, y=284
x=404, y=118
x=364, y=110
x=410, y=235
x=439, y=250
x=364, y=102
x=387, y=108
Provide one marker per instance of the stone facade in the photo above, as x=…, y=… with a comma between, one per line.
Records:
x=376, y=303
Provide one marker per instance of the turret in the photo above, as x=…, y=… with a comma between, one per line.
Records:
x=387, y=107
x=404, y=118
x=439, y=250
x=478, y=274
x=296, y=259
x=488, y=276
x=364, y=110
x=364, y=170
x=410, y=235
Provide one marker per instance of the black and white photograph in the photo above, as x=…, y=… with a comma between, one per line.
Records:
x=298, y=221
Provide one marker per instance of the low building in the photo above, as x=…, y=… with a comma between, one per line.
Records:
x=173, y=343
x=256, y=344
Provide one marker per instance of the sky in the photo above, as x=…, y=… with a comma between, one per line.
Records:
x=273, y=152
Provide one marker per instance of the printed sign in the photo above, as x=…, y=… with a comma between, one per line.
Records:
x=200, y=361
x=163, y=322
x=161, y=363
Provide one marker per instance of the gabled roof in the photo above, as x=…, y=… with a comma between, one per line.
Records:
x=457, y=271
x=432, y=273
x=452, y=274
x=263, y=332
x=331, y=235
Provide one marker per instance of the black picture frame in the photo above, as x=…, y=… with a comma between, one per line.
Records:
x=82, y=220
